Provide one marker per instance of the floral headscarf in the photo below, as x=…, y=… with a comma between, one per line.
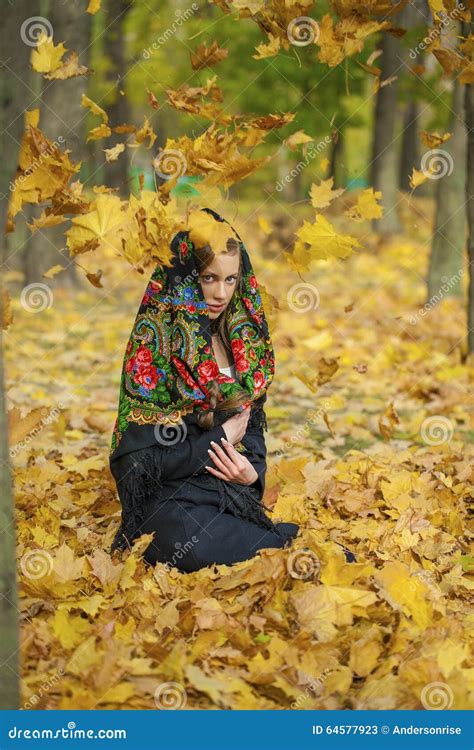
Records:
x=169, y=359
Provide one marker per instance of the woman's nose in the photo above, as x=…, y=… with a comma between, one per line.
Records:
x=219, y=292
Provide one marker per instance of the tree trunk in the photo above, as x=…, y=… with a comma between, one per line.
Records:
x=469, y=115
x=415, y=15
x=338, y=168
x=410, y=152
x=447, y=249
x=384, y=150
x=117, y=172
x=14, y=96
x=61, y=115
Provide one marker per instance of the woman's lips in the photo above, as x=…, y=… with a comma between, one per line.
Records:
x=216, y=307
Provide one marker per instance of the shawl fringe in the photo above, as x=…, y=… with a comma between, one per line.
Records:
x=258, y=418
x=243, y=502
x=139, y=480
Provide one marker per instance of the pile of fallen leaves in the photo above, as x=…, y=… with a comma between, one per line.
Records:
x=370, y=444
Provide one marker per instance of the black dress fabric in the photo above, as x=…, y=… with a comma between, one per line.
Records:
x=197, y=518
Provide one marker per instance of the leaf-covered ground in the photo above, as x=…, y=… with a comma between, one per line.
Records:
x=370, y=444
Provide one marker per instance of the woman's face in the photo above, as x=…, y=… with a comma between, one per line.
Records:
x=218, y=281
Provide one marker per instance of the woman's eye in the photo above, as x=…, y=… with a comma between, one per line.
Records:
x=230, y=279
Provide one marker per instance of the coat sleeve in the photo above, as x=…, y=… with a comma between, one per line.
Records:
x=256, y=452
x=139, y=476
x=190, y=456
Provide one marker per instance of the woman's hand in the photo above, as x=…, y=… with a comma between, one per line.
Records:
x=231, y=465
x=236, y=427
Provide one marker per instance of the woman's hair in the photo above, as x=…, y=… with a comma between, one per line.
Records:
x=204, y=256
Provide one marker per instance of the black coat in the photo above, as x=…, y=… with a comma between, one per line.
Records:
x=197, y=518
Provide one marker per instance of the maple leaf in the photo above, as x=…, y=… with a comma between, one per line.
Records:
x=47, y=57
x=388, y=420
x=323, y=241
x=101, y=131
x=268, y=50
x=205, y=230
x=145, y=132
x=366, y=206
x=69, y=69
x=53, y=271
x=206, y=57
x=418, y=178
x=43, y=170
x=112, y=154
x=323, y=194
x=93, y=7
x=433, y=140
x=68, y=567
x=46, y=219
x=7, y=312
x=296, y=139
x=103, y=225
x=94, y=108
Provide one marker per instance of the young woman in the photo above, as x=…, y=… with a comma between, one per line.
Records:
x=188, y=453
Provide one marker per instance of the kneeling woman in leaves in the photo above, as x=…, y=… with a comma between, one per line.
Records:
x=188, y=453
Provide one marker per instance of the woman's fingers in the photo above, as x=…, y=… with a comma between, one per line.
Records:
x=231, y=451
x=217, y=473
x=222, y=455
